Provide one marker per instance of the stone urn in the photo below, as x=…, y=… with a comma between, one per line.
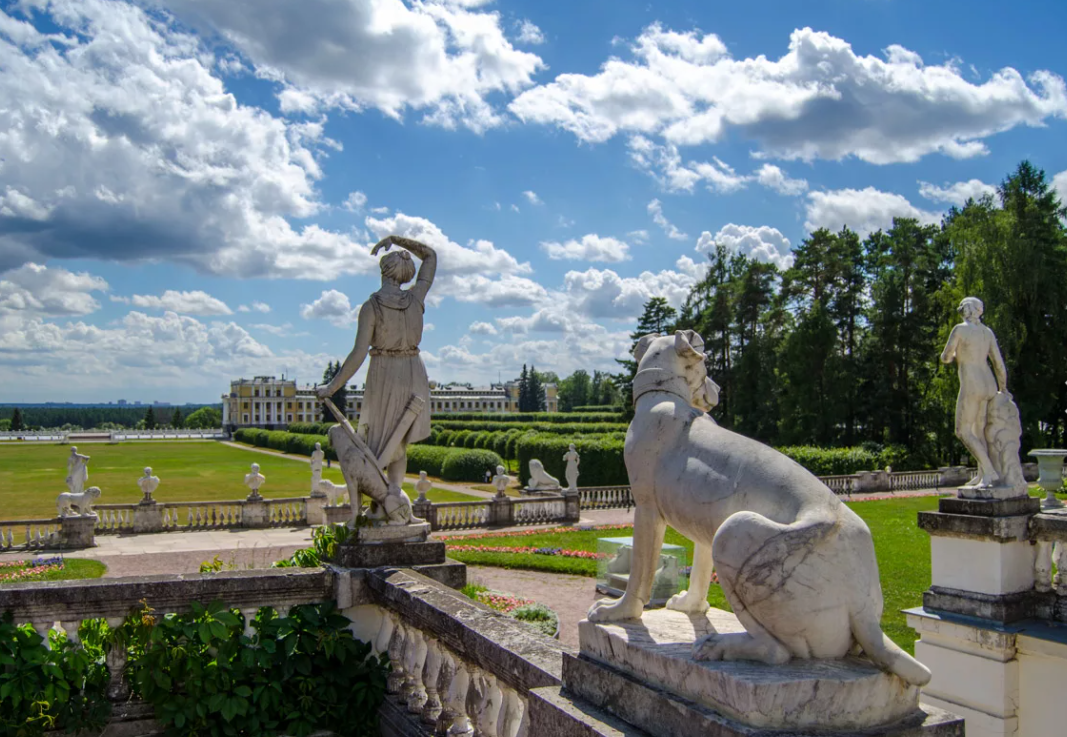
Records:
x=1050, y=474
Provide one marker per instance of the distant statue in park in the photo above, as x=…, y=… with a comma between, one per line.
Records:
x=83, y=501
x=572, y=459
x=317, y=457
x=148, y=484
x=77, y=471
x=985, y=412
x=253, y=480
x=540, y=479
x=423, y=486
x=500, y=481
x=396, y=400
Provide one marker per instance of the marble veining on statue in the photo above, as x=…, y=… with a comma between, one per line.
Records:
x=776, y=536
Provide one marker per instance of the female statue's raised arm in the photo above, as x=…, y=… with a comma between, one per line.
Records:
x=357, y=356
x=421, y=251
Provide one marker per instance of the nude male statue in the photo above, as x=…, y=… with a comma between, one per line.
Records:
x=972, y=346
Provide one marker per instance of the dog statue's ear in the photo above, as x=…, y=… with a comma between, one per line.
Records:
x=643, y=344
x=689, y=345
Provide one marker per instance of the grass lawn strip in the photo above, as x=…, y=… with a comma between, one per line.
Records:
x=903, y=552
x=31, y=476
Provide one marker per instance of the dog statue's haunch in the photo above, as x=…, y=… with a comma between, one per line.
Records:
x=796, y=565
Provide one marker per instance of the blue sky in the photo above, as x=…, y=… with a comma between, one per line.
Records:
x=189, y=188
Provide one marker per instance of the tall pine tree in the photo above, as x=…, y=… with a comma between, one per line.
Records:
x=657, y=317
x=150, y=419
x=176, y=420
x=16, y=420
x=535, y=390
x=524, y=390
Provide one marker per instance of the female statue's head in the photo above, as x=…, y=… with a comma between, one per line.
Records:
x=971, y=307
x=397, y=267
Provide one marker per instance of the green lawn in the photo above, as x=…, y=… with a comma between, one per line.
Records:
x=72, y=568
x=903, y=556
x=31, y=476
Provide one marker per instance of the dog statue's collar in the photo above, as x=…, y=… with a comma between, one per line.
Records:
x=660, y=380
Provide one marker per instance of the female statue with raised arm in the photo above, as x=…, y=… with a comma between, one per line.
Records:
x=390, y=330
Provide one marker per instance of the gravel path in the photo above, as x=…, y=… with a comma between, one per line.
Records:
x=569, y=596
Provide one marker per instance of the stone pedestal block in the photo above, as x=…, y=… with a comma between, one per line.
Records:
x=950, y=476
x=397, y=555
x=379, y=534
x=316, y=509
x=572, y=501
x=78, y=532
x=849, y=695
x=872, y=481
x=147, y=517
x=255, y=513
x=339, y=515
x=500, y=512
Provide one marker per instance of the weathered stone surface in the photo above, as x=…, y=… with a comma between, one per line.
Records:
x=985, y=528
x=394, y=555
x=411, y=533
x=665, y=714
x=558, y=713
x=998, y=608
x=73, y=600
x=78, y=532
x=515, y=653
x=989, y=507
x=849, y=693
x=452, y=574
x=338, y=515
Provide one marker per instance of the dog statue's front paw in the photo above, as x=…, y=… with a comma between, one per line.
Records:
x=688, y=602
x=616, y=610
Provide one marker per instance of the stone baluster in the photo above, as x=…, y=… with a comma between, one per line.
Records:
x=511, y=713
x=414, y=692
x=70, y=628
x=396, y=656
x=433, y=671
x=250, y=616
x=456, y=712
x=43, y=628
x=1060, y=556
x=385, y=634
x=1043, y=566
x=491, y=699
x=117, y=689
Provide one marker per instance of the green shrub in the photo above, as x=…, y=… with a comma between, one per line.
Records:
x=469, y=465
x=539, y=615
x=428, y=458
x=606, y=414
x=294, y=675
x=444, y=437
x=832, y=461
x=596, y=409
x=459, y=439
x=562, y=428
x=62, y=687
x=310, y=428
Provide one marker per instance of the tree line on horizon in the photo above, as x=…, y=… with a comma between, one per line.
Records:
x=17, y=419
x=842, y=348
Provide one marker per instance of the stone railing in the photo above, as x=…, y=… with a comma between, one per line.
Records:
x=113, y=519
x=178, y=516
x=456, y=515
x=606, y=497
x=541, y=510
x=914, y=480
x=29, y=534
x=840, y=484
x=291, y=512
x=214, y=434
x=457, y=667
x=55, y=436
x=1048, y=532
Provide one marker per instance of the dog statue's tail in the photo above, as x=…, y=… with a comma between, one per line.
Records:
x=885, y=653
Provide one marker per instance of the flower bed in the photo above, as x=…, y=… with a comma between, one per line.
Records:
x=523, y=549
x=21, y=570
x=536, y=615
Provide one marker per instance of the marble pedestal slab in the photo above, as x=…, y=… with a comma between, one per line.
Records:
x=398, y=555
x=850, y=695
x=376, y=534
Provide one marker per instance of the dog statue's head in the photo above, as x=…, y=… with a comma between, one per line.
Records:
x=675, y=364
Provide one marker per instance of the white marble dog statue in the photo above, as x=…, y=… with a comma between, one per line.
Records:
x=83, y=501
x=796, y=565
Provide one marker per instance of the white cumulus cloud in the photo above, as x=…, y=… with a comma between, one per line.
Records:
x=957, y=193
x=591, y=247
x=195, y=302
x=332, y=306
x=862, y=210
x=773, y=177
x=814, y=101
x=35, y=289
x=532, y=197
x=655, y=209
x=482, y=328
x=762, y=243
x=530, y=33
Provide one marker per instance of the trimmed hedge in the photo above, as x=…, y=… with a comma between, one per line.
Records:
x=596, y=409
x=469, y=465
x=560, y=428
x=601, y=465
x=606, y=414
x=452, y=464
x=832, y=461
x=310, y=428
x=286, y=442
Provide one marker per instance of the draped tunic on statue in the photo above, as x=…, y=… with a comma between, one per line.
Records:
x=396, y=371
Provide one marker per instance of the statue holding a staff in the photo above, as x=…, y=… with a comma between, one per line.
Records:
x=396, y=410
